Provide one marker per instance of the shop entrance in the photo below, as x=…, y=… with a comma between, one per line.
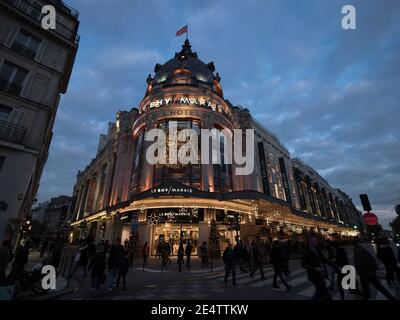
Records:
x=173, y=232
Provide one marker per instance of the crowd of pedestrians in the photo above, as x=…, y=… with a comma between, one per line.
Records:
x=323, y=261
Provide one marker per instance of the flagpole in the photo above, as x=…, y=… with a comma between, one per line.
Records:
x=187, y=32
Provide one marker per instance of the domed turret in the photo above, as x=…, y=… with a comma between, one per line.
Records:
x=185, y=69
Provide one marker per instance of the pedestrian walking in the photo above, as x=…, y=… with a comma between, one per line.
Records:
x=314, y=261
x=145, y=254
x=20, y=260
x=112, y=264
x=204, y=254
x=330, y=250
x=97, y=267
x=5, y=254
x=257, y=261
x=284, y=248
x=167, y=252
x=386, y=255
x=366, y=267
x=229, y=259
x=181, y=253
x=81, y=259
x=188, y=252
x=159, y=249
x=43, y=250
x=123, y=267
x=278, y=261
x=341, y=260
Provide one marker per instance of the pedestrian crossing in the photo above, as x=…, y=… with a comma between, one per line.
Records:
x=298, y=279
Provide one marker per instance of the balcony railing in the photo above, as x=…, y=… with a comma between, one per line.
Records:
x=28, y=9
x=25, y=51
x=11, y=132
x=10, y=87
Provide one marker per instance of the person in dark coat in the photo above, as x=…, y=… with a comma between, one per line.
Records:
x=229, y=258
x=341, y=260
x=159, y=250
x=123, y=267
x=181, y=253
x=112, y=264
x=188, y=253
x=204, y=255
x=43, y=250
x=278, y=261
x=20, y=260
x=145, y=254
x=386, y=255
x=82, y=259
x=313, y=260
x=258, y=263
x=167, y=252
x=5, y=253
x=366, y=268
x=284, y=248
x=97, y=267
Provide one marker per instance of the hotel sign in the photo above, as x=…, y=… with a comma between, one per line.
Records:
x=172, y=101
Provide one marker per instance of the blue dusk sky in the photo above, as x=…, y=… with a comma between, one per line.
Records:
x=332, y=96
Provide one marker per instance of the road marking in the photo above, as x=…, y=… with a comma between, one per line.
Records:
x=269, y=281
x=243, y=281
x=151, y=270
x=298, y=281
x=307, y=292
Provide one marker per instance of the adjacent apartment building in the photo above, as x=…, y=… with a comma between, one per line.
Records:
x=35, y=68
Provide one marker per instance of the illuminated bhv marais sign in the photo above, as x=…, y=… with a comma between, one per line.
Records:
x=170, y=190
x=183, y=100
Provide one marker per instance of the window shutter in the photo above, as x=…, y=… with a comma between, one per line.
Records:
x=11, y=36
x=41, y=50
x=27, y=84
x=17, y=117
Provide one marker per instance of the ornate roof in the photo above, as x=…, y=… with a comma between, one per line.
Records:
x=185, y=62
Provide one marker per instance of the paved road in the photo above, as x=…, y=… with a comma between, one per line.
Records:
x=200, y=283
x=170, y=284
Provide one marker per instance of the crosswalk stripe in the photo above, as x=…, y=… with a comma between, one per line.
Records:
x=217, y=275
x=307, y=292
x=298, y=281
x=240, y=276
x=269, y=281
x=249, y=279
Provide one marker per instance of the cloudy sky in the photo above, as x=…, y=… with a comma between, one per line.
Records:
x=331, y=95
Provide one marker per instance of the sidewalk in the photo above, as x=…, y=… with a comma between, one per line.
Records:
x=62, y=285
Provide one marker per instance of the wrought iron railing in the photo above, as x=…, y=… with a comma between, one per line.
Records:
x=11, y=132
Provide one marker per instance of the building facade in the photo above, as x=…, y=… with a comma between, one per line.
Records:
x=56, y=214
x=35, y=67
x=121, y=192
x=38, y=213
